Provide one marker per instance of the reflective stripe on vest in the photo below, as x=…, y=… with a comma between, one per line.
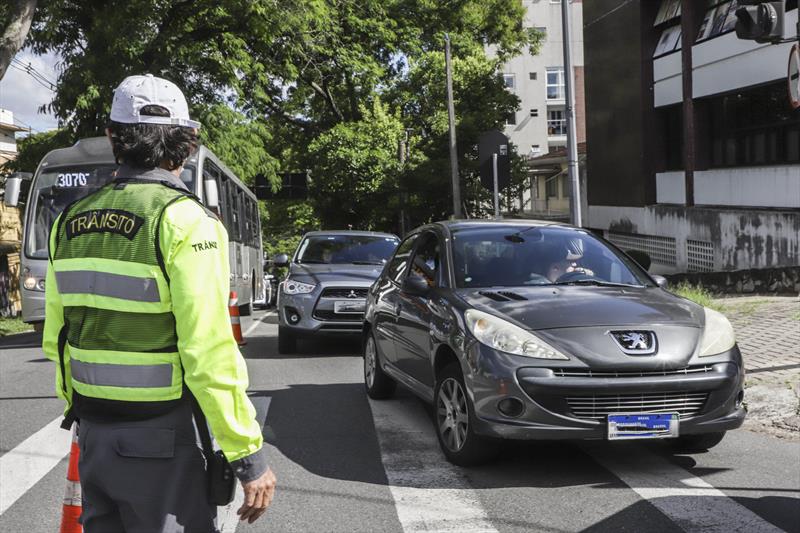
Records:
x=112, y=284
x=130, y=376
x=107, y=284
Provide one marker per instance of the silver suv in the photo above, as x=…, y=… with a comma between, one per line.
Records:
x=326, y=288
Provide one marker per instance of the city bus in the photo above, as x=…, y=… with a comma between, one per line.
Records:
x=67, y=174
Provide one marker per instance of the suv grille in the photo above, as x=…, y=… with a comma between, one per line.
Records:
x=687, y=404
x=345, y=292
x=587, y=373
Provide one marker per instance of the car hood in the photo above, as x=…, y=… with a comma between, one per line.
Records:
x=357, y=274
x=539, y=308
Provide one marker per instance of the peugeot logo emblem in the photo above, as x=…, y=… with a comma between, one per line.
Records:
x=635, y=342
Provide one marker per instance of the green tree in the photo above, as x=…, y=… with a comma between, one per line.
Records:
x=31, y=150
x=354, y=169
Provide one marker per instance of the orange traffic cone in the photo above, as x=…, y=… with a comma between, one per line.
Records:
x=71, y=510
x=236, y=322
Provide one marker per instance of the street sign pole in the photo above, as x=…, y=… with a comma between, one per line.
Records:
x=451, y=114
x=496, y=187
x=572, y=141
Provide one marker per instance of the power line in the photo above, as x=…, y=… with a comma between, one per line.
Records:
x=607, y=13
x=46, y=85
x=30, y=67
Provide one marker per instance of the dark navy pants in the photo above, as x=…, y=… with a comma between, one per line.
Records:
x=144, y=476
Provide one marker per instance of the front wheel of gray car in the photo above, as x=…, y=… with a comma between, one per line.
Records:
x=379, y=386
x=696, y=443
x=454, y=418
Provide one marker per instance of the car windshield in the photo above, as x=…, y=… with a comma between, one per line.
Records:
x=513, y=256
x=346, y=249
x=55, y=188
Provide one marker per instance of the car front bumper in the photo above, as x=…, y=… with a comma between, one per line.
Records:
x=560, y=401
x=315, y=315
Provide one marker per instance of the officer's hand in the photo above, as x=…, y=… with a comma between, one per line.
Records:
x=258, y=495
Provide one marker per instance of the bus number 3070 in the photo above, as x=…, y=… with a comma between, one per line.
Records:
x=75, y=179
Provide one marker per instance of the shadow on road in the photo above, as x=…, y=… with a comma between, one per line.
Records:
x=266, y=347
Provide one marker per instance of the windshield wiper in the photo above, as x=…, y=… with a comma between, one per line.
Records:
x=365, y=263
x=598, y=282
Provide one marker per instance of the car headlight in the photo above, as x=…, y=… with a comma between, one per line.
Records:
x=506, y=337
x=718, y=334
x=291, y=286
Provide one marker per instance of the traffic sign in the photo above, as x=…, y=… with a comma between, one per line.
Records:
x=793, y=76
x=494, y=142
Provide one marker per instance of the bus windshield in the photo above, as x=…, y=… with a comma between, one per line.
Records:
x=55, y=188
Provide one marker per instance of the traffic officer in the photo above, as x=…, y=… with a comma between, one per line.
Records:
x=137, y=320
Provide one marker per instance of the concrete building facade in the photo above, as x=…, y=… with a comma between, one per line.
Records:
x=694, y=148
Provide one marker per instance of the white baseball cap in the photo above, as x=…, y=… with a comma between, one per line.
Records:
x=135, y=92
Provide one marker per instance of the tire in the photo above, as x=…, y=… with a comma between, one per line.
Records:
x=247, y=309
x=696, y=443
x=379, y=386
x=287, y=342
x=454, y=421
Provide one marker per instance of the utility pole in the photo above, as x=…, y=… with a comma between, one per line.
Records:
x=572, y=131
x=451, y=114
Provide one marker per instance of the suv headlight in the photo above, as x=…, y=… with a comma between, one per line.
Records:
x=506, y=337
x=718, y=334
x=291, y=286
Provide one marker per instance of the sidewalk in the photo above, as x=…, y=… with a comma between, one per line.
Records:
x=768, y=333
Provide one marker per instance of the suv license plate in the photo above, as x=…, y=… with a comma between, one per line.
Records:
x=643, y=426
x=349, y=306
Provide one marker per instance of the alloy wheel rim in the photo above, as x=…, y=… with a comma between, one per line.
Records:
x=369, y=363
x=452, y=415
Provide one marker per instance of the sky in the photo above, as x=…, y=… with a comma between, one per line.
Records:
x=21, y=94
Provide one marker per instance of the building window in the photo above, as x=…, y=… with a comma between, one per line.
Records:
x=555, y=83
x=752, y=127
x=534, y=112
x=551, y=187
x=669, y=41
x=511, y=119
x=532, y=75
x=556, y=123
x=719, y=19
x=536, y=150
x=508, y=80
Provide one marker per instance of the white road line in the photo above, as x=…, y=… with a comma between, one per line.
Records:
x=690, y=502
x=255, y=324
x=430, y=494
x=227, y=519
x=23, y=467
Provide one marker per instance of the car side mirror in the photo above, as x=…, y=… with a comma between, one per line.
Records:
x=281, y=260
x=642, y=258
x=661, y=281
x=212, y=193
x=13, y=188
x=415, y=286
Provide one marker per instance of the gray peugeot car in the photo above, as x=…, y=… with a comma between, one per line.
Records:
x=325, y=290
x=535, y=330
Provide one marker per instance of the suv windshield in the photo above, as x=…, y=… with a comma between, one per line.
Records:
x=53, y=189
x=346, y=249
x=513, y=256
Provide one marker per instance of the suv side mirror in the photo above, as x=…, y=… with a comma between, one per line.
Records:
x=661, y=281
x=281, y=260
x=415, y=285
x=13, y=188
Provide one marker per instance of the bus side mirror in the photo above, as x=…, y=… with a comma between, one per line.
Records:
x=13, y=188
x=211, y=193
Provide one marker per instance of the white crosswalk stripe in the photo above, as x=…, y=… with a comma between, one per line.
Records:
x=430, y=494
x=22, y=467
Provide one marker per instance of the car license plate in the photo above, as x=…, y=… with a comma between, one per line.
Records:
x=643, y=426
x=348, y=306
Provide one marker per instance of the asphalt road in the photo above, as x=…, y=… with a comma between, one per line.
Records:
x=347, y=464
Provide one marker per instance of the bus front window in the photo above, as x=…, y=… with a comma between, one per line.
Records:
x=51, y=192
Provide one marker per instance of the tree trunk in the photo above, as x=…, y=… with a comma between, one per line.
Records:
x=15, y=32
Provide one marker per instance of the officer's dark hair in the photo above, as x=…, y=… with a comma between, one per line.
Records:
x=150, y=145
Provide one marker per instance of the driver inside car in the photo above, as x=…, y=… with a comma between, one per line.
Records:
x=568, y=262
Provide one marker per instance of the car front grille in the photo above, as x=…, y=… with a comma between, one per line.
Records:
x=345, y=293
x=327, y=314
x=687, y=404
x=587, y=373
